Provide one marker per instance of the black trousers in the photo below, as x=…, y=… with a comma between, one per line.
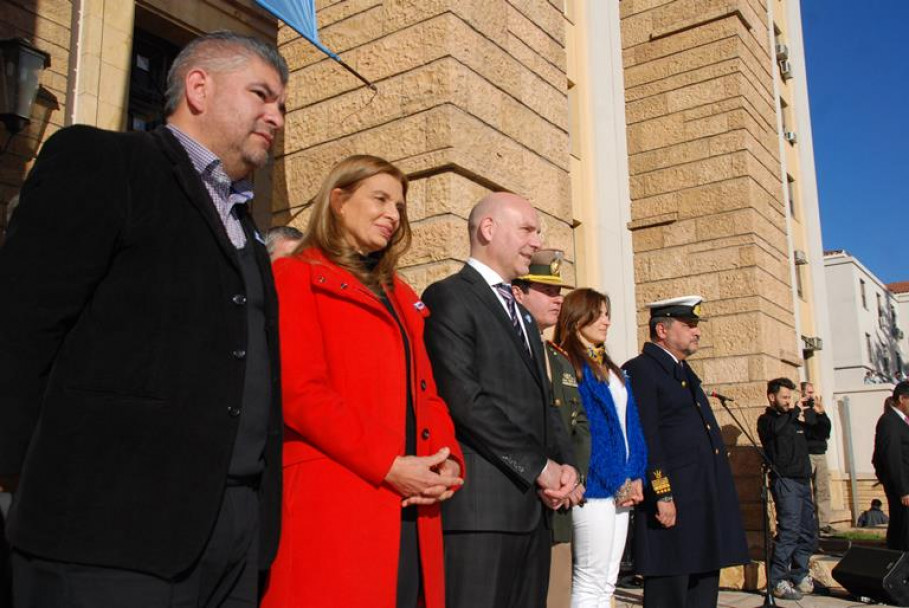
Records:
x=226, y=575
x=497, y=569
x=700, y=590
x=410, y=574
x=898, y=526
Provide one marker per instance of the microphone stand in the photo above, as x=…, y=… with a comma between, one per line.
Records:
x=766, y=468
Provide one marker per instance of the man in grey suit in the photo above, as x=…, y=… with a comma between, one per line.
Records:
x=489, y=365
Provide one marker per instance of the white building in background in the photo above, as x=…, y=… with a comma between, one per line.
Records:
x=867, y=319
x=868, y=322
x=900, y=293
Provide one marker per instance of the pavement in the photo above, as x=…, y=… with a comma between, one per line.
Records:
x=631, y=598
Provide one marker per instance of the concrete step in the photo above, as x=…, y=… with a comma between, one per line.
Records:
x=750, y=577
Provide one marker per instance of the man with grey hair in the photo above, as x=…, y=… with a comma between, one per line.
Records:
x=282, y=241
x=689, y=526
x=140, y=420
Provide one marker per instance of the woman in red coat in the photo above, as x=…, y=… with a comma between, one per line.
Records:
x=369, y=448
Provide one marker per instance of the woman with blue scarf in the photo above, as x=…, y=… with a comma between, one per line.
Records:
x=618, y=454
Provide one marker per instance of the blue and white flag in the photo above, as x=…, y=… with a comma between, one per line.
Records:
x=301, y=16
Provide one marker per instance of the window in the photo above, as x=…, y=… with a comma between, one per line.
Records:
x=798, y=281
x=574, y=120
x=864, y=296
x=881, y=317
x=870, y=351
x=790, y=192
x=151, y=60
x=808, y=355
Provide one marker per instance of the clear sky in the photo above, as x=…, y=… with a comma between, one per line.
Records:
x=858, y=85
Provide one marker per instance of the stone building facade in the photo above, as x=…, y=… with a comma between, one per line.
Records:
x=471, y=99
x=650, y=134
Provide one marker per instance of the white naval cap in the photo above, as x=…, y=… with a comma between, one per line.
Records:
x=685, y=307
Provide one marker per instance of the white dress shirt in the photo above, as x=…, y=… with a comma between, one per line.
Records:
x=492, y=279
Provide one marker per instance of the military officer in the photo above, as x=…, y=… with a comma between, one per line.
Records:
x=689, y=525
x=540, y=292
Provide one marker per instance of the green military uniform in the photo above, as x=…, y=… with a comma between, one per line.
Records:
x=567, y=399
x=546, y=269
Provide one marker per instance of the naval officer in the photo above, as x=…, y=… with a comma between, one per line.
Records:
x=689, y=525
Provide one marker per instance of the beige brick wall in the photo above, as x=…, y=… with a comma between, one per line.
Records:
x=471, y=98
x=46, y=25
x=708, y=215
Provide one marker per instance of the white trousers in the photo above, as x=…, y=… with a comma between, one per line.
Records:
x=597, y=544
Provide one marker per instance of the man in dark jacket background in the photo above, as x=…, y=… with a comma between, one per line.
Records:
x=817, y=432
x=782, y=434
x=891, y=464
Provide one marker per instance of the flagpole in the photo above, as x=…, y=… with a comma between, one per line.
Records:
x=294, y=14
x=355, y=73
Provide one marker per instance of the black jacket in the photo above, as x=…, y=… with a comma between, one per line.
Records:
x=891, y=454
x=817, y=430
x=122, y=303
x=499, y=398
x=783, y=437
x=685, y=445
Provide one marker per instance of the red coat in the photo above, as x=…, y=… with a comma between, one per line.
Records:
x=344, y=389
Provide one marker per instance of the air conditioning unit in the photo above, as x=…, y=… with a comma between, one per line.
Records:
x=786, y=69
x=812, y=343
x=790, y=136
x=800, y=257
x=782, y=52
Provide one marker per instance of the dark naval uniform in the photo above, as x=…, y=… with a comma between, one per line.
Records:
x=687, y=460
x=567, y=399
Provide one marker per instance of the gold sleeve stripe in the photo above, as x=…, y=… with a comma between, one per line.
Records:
x=659, y=483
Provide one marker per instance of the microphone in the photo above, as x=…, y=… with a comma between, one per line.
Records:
x=719, y=396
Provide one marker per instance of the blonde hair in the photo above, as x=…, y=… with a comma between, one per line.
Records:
x=326, y=232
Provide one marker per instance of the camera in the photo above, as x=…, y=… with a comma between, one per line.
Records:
x=809, y=403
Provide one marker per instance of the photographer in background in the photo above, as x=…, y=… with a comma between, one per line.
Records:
x=817, y=432
x=782, y=434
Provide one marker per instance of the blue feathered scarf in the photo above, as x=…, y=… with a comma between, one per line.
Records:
x=610, y=465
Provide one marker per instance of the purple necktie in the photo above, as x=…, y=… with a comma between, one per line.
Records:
x=504, y=290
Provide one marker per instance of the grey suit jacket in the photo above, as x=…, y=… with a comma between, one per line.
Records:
x=499, y=400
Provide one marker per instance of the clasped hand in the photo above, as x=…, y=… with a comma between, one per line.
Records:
x=425, y=480
x=635, y=496
x=559, y=486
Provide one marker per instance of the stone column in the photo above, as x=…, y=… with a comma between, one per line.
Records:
x=471, y=99
x=708, y=212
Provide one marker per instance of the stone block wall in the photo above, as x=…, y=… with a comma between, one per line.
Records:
x=708, y=212
x=471, y=99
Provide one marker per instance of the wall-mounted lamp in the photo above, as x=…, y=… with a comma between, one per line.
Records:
x=21, y=63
